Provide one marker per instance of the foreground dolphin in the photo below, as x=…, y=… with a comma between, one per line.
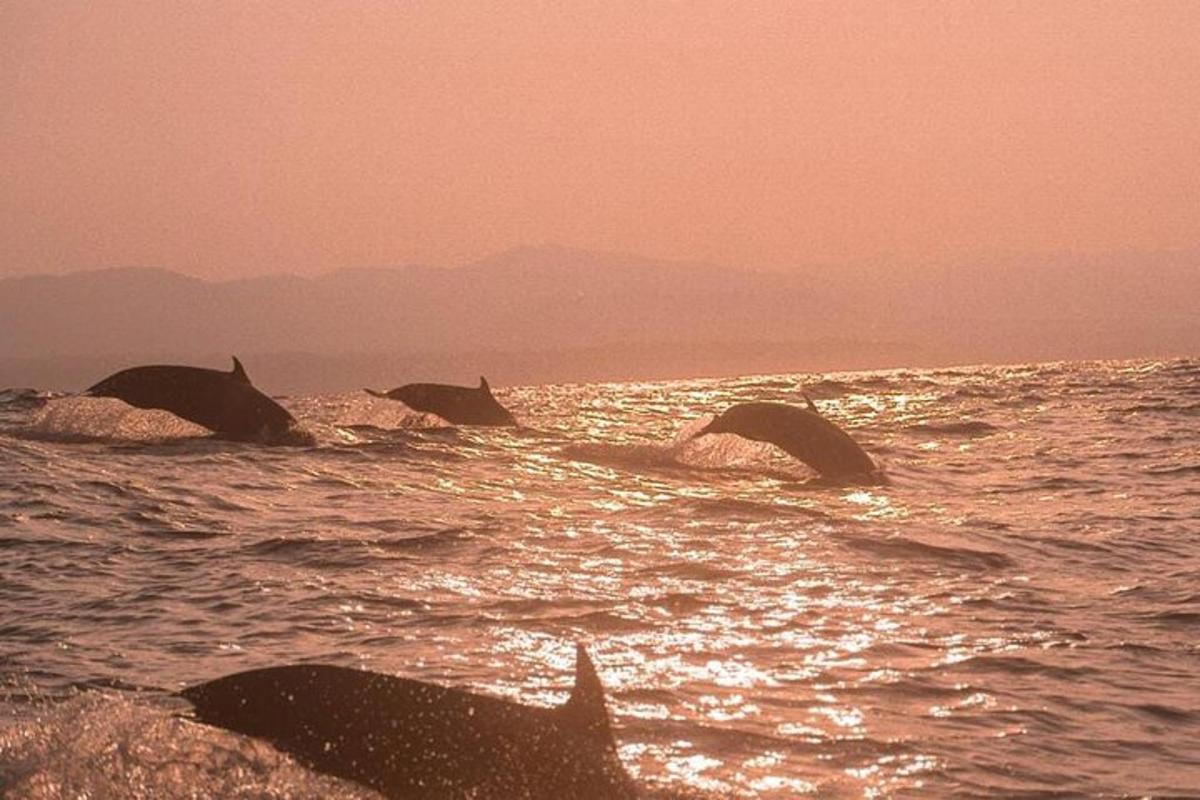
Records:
x=461, y=405
x=224, y=402
x=410, y=739
x=801, y=433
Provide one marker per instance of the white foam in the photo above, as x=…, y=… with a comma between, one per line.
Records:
x=76, y=418
x=105, y=745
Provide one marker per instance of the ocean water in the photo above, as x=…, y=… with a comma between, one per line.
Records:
x=1015, y=611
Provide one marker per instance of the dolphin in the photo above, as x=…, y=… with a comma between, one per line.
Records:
x=224, y=402
x=461, y=405
x=410, y=739
x=801, y=433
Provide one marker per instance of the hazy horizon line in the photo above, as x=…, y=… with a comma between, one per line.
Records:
x=556, y=248
x=273, y=364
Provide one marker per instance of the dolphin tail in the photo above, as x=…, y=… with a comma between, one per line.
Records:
x=374, y=393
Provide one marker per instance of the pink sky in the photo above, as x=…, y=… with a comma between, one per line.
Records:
x=234, y=138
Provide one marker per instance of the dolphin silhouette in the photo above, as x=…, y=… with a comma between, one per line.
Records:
x=224, y=402
x=801, y=433
x=410, y=739
x=461, y=405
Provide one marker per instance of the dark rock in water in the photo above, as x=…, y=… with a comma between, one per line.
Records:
x=411, y=739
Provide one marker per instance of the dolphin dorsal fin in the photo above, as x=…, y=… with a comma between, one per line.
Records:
x=483, y=385
x=239, y=372
x=811, y=405
x=586, y=706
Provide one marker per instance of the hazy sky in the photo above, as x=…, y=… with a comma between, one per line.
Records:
x=232, y=138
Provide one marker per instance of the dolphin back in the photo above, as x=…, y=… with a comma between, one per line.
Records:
x=224, y=402
x=460, y=405
x=804, y=434
x=411, y=739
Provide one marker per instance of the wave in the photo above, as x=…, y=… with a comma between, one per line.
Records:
x=962, y=428
x=623, y=455
x=1181, y=470
x=730, y=602
x=692, y=570
x=1175, y=619
x=106, y=744
x=24, y=398
x=1159, y=406
x=1040, y=483
x=903, y=548
x=722, y=456
x=99, y=419
x=734, y=509
x=348, y=550
x=986, y=391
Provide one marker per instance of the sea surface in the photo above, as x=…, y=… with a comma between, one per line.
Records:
x=1015, y=611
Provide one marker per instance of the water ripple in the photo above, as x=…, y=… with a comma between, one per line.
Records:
x=1011, y=613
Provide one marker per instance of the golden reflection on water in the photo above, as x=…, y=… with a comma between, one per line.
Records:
x=776, y=626
x=879, y=506
x=887, y=773
x=755, y=633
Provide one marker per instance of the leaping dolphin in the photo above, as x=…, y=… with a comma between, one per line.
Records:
x=410, y=739
x=224, y=402
x=801, y=433
x=461, y=405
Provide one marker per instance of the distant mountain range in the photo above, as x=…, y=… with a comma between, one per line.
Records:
x=534, y=314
